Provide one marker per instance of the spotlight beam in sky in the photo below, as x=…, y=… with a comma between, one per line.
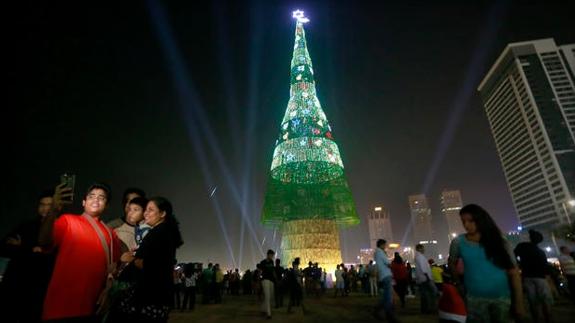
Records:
x=185, y=88
x=188, y=101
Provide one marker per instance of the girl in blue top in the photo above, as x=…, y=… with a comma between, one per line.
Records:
x=491, y=277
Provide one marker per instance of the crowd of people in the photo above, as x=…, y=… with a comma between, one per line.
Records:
x=76, y=268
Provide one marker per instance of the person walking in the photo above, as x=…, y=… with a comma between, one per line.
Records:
x=268, y=279
x=279, y=284
x=425, y=284
x=339, y=283
x=191, y=277
x=535, y=275
x=385, y=277
x=294, y=280
x=400, y=274
x=207, y=281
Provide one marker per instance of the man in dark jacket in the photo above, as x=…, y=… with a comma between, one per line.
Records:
x=534, y=271
x=268, y=280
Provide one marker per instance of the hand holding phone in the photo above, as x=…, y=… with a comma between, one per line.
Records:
x=64, y=193
x=62, y=196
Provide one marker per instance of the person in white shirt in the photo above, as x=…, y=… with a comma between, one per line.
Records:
x=424, y=282
x=190, y=282
x=384, y=277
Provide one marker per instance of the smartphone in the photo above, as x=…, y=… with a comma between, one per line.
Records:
x=70, y=181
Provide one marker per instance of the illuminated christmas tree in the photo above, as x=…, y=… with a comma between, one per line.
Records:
x=307, y=196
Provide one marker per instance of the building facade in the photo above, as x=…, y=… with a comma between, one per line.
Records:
x=420, y=218
x=379, y=226
x=451, y=203
x=421, y=221
x=529, y=99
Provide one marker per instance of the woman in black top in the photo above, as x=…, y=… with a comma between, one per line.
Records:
x=156, y=258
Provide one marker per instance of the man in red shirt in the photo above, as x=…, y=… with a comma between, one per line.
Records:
x=82, y=261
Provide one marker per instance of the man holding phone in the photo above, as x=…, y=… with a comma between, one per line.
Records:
x=85, y=250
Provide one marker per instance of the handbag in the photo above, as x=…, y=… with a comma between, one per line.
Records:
x=103, y=304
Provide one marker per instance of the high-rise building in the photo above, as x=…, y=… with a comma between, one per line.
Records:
x=379, y=226
x=529, y=99
x=450, y=205
x=421, y=221
x=420, y=218
x=307, y=194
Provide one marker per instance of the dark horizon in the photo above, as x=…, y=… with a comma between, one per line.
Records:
x=95, y=94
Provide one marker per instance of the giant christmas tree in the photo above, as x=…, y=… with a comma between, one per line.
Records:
x=307, y=194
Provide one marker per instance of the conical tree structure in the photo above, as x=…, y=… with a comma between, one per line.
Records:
x=307, y=196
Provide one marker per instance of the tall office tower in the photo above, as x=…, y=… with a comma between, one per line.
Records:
x=379, y=226
x=450, y=205
x=529, y=99
x=420, y=218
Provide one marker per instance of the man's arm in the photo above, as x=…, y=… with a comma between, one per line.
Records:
x=516, y=291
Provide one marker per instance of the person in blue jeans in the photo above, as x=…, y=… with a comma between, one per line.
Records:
x=383, y=264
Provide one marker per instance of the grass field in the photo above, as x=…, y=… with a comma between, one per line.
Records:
x=354, y=308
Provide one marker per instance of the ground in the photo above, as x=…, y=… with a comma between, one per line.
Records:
x=354, y=308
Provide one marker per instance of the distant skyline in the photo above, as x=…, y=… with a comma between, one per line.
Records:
x=96, y=92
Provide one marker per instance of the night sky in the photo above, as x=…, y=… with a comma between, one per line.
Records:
x=179, y=98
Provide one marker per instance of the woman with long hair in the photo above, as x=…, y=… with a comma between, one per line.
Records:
x=155, y=259
x=491, y=278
